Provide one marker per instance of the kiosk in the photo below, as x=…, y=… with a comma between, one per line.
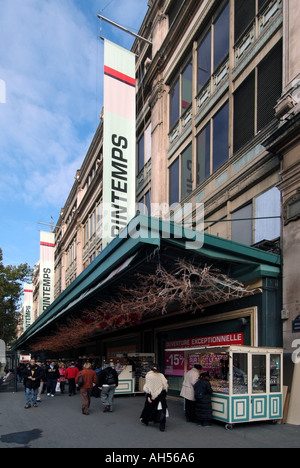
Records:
x=247, y=382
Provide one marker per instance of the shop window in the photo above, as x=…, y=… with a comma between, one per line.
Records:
x=148, y=202
x=259, y=375
x=86, y=232
x=203, y=155
x=269, y=87
x=220, y=137
x=93, y=224
x=244, y=108
x=144, y=148
x=244, y=15
x=215, y=44
x=221, y=38
x=241, y=225
x=174, y=11
x=268, y=205
x=186, y=172
x=240, y=374
x=187, y=87
x=141, y=153
x=275, y=373
x=256, y=97
x=181, y=94
x=219, y=126
x=174, y=182
x=204, y=61
x=174, y=104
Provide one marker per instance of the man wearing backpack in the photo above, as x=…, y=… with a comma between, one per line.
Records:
x=108, y=382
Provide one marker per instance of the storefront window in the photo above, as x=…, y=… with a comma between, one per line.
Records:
x=258, y=374
x=275, y=373
x=240, y=374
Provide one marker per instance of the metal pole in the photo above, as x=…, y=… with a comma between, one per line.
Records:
x=124, y=29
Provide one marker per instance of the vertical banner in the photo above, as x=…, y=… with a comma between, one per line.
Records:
x=28, y=306
x=47, y=246
x=119, y=141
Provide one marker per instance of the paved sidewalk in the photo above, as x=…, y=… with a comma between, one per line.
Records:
x=58, y=423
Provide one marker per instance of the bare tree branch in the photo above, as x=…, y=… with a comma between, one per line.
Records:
x=192, y=288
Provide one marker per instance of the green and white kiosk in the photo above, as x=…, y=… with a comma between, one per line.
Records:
x=247, y=382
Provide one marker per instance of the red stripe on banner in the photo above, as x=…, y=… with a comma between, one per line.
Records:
x=119, y=76
x=28, y=290
x=47, y=244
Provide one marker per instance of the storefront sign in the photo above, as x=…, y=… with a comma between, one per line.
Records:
x=228, y=339
x=47, y=247
x=119, y=140
x=174, y=360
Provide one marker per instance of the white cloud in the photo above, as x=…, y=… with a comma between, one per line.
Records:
x=48, y=61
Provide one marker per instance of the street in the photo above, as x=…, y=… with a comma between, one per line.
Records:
x=58, y=423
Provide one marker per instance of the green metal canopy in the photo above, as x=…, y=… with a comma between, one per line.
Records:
x=136, y=246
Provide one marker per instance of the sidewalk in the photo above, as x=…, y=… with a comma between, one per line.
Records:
x=58, y=423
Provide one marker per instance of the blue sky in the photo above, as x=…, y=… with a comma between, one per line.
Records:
x=51, y=67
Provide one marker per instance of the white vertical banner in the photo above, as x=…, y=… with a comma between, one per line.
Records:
x=47, y=246
x=28, y=306
x=119, y=141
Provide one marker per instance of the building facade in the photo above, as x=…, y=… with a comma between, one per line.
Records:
x=206, y=93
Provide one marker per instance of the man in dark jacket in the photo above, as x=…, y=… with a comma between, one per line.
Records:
x=32, y=377
x=203, y=392
x=108, y=382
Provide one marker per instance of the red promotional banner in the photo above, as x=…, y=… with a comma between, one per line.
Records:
x=228, y=339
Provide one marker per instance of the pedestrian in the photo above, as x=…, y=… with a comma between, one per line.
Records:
x=203, y=392
x=107, y=383
x=62, y=378
x=31, y=377
x=155, y=409
x=89, y=379
x=52, y=375
x=188, y=392
x=70, y=375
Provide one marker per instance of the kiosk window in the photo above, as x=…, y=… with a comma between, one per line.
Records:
x=275, y=373
x=258, y=374
x=240, y=374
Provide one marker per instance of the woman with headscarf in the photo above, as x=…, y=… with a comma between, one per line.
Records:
x=156, y=408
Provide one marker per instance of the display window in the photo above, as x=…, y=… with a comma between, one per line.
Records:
x=259, y=374
x=240, y=373
x=275, y=373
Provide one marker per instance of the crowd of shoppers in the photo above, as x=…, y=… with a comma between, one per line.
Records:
x=103, y=381
x=53, y=378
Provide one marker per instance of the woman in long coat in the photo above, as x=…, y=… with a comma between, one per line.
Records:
x=188, y=392
x=155, y=409
x=203, y=392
